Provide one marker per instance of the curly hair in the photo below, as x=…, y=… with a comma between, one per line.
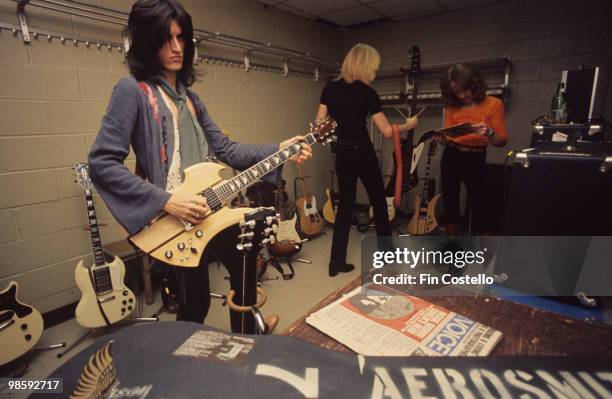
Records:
x=149, y=29
x=468, y=78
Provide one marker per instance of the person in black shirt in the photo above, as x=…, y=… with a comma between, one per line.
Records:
x=349, y=99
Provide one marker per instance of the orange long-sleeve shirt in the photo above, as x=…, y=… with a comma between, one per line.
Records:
x=489, y=111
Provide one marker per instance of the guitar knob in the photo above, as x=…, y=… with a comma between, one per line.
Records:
x=168, y=254
x=24, y=327
x=28, y=337
x=199, y=233
x=181, y=246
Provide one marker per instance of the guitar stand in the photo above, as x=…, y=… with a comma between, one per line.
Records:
x=49, y=347
x=260, y=324
x=83, y=337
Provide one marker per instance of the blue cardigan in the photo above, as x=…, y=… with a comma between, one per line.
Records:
x=137, y=116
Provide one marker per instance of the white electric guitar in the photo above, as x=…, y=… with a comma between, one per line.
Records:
x=179, y=243
x=20, y=325
x=104, y=297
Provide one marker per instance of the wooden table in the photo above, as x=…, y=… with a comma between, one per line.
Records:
x=527, y=331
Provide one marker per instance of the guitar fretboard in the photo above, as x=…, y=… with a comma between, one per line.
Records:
x=96, y=243
x=219, y=195
x=425, y=199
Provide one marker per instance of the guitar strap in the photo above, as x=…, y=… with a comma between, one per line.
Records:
x=399, y=165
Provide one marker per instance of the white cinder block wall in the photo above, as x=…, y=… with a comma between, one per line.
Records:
x=541, y=37
x=53, y=96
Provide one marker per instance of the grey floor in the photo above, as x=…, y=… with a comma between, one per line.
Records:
x=290, y=299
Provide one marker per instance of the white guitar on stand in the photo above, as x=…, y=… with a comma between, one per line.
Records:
x=20, y=325
x=105, y=299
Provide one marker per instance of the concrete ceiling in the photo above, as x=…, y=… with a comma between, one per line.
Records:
x=353, y=13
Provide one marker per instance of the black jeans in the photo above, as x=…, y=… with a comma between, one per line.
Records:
x=467, y=167
x=194, y=285
x=357, y=160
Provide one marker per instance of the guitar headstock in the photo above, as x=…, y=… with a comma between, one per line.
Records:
x=82, y=174
x=257, y=229
x=324, y=130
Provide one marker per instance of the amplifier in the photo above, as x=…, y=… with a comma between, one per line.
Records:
x=558, y=192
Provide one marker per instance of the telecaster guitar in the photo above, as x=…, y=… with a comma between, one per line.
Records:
x=179, y=243
x=311, y=222
x=104, y=297
x=20, y=325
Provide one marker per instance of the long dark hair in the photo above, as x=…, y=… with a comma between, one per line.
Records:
x=149, y=29
x=467, y=77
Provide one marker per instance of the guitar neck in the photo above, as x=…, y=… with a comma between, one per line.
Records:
x=281, y=204
x=218, y=195
x=432, y=149
x=96, y=242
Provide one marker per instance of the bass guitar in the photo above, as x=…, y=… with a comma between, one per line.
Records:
x=410, y=178
x=311, y=222
x=333, y=199
x=104, y=297
x=179, y=243
x=288, y=241
x=423, y=220
x=20, y=325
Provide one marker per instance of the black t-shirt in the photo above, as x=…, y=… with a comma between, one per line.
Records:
x=349, y=104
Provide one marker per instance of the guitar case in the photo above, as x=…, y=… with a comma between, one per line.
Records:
x=187, y=360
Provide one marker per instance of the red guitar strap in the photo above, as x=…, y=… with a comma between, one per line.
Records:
x=397, y=153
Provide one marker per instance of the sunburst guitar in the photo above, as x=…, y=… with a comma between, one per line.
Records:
x=20, y=325
x=104, y=297
x=179, y=243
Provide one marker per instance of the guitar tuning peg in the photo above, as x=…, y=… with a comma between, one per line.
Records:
x=244, y=247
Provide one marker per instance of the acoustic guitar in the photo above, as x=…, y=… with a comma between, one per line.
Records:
x=311, y=222
x=179, y=243
x=288, y=241
x=104, y=297
x=423, y=220
x=333, y=200
x=20, y=325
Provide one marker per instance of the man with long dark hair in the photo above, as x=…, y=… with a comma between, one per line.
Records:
x=169, y=130
x=465, y=100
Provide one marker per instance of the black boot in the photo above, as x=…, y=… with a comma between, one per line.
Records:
x=336, y=267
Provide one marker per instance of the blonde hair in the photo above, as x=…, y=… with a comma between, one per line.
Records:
x=361, y=63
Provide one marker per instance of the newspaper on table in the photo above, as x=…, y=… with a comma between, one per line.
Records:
x=376, y=320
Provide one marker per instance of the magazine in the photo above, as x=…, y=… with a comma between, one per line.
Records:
x=376, y=320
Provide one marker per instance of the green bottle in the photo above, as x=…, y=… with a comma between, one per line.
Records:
x=558, y=107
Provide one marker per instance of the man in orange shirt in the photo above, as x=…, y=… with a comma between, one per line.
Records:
x=465, y=100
